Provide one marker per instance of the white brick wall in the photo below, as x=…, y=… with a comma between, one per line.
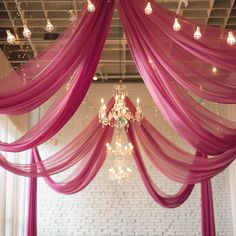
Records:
x=106, y=208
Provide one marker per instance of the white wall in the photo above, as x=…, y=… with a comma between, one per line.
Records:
x=106, y=208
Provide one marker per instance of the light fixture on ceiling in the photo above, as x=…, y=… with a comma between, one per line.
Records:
x=26, y=32
x=91, y=7
x=176, y=25
x=72, y=16
x=197, y=34
x=49, y=26
x=231, y=39
x=148, y=9
x=95, y=78
x=10, y=37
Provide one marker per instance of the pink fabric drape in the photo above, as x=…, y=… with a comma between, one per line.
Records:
x=162, y=63
x=165, y=200
x=66, y=105
x=208, y=220
x=32, y=205
x=37, y=80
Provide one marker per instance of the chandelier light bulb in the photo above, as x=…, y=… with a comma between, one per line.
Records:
x=138, y=101
x=49, y=26
x=10, y=37
x=197, y=34
x=91, y=7
x=95, y=78
x=231, y=39
x=176, y=26
x=148, y=9
x=102, y=101
x=214, y=69
x=26, y=32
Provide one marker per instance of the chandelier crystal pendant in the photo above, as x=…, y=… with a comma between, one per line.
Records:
x=120, y=115
x=119, y=152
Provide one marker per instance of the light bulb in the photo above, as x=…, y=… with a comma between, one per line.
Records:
x=214, y=69
x=176, y=25
x=95, y=78
x=73, y=16
x=148, y=9
x=10, y=37
x=138, y=101
x=197, y=34
x=49, y=26
x=26, y=32
x=231, y=39
x=102, y=101
x=91, y=7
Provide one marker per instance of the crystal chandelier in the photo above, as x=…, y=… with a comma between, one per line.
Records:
x=120, y=115
x=120, y=151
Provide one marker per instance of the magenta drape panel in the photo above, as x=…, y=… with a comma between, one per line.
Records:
x=203, y=129
x=66, y=105
x=165, y=200
x=37, y=80
x=32, y=205
x=172, y=161
x=208, y=219
x=84, y=146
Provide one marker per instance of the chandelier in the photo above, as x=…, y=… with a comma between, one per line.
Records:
x=119, y=152
x=120, y=115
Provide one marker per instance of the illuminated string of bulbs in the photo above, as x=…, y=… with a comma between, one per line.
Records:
x=231, y=40
x=11, y=39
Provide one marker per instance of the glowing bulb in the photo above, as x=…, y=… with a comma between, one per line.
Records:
x=72, y=16
x=10, y=37
x=95, y=78
x=138, y=101
x=197, y=34
x=102, y=101
x=49, y=26
x=148, y=9
x=26, y=32
x=231, y=39
x=176, y=26
x=91, y=7
x=214, y=69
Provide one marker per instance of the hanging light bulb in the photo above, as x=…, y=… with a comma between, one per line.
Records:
x=91, y=7
x=10, y=37
x=231, y=39
x=197, y=34
x=26, y=32
x=72, y=16
x=148, y=9
x=176, y=25
x=49, y=26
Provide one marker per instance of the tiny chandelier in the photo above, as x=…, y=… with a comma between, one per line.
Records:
x=120, y=115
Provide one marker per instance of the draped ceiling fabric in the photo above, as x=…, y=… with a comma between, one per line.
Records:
x=174, y=67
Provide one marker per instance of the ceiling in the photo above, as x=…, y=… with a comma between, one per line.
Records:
x=219, y=13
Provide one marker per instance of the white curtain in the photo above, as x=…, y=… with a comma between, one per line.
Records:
x=13, y=197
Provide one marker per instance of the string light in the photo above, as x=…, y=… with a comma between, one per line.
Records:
x=91, y=7
x=49, y=26
x=197, y=34
x=148, y=9
x=10, y=37
x=231, y=39
x=26, y=32
x=95, y=78
x=176, y=25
